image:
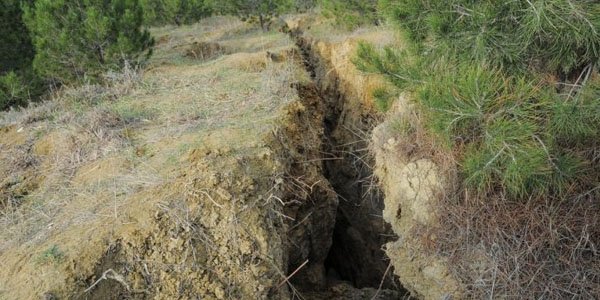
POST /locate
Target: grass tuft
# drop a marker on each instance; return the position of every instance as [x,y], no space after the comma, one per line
[51,255]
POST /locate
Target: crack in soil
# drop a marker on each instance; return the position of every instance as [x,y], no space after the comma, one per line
[356,254]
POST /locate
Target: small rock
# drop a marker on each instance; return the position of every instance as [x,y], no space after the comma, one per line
[48,296]
[220,293]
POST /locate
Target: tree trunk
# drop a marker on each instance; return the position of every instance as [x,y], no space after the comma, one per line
[261,18]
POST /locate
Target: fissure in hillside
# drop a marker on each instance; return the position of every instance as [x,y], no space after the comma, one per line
[356,254]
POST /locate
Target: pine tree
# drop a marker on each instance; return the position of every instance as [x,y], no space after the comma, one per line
[304,5]
[553,35]
[16,50]
[351,13]
[261,10]
[190,11]
[161,12]
[155,12]
[483,77]
[18,83]
[77,39]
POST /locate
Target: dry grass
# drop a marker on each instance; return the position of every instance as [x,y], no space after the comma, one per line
[205,51]
[536,249]
[325,30]
[95,148]
[529,250]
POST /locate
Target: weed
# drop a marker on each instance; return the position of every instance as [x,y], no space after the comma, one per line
[51,255]
[383,98]
[205,51]
[132,112]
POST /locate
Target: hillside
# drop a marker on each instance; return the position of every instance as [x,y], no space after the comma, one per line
[250,164]
[205,175]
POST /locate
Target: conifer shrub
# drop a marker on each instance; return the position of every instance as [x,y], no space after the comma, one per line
[18,88]
[79,40]
[12,90]
[350,13]
[261,12]
[475,70]
[383,98]
[515,134]
[556,35]
[179,12]
[18,83]
[304,5]
[15,45]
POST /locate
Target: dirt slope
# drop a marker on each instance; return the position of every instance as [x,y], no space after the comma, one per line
[170,188]
[237,166]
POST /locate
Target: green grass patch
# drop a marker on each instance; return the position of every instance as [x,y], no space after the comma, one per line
[51,255]
[132,112]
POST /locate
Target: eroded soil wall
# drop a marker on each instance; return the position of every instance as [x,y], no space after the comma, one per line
[356,253]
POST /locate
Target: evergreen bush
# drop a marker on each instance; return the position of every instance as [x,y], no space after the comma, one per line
[304,5]
[16,48]
[77,40]
[479,73]
[12,90]
[351,13]
[556,35]
[179,12]
[18,83]
[262,12]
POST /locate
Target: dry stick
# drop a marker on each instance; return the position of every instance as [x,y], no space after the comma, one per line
[299,223]
[105,276]
[382,281]
[211,198]
[293,273]
[587,69]
[270,260]
[115,199]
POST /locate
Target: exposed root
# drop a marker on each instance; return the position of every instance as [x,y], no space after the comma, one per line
[287,279]
[109,274]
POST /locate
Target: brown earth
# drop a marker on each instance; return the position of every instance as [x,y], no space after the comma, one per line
[230,178]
